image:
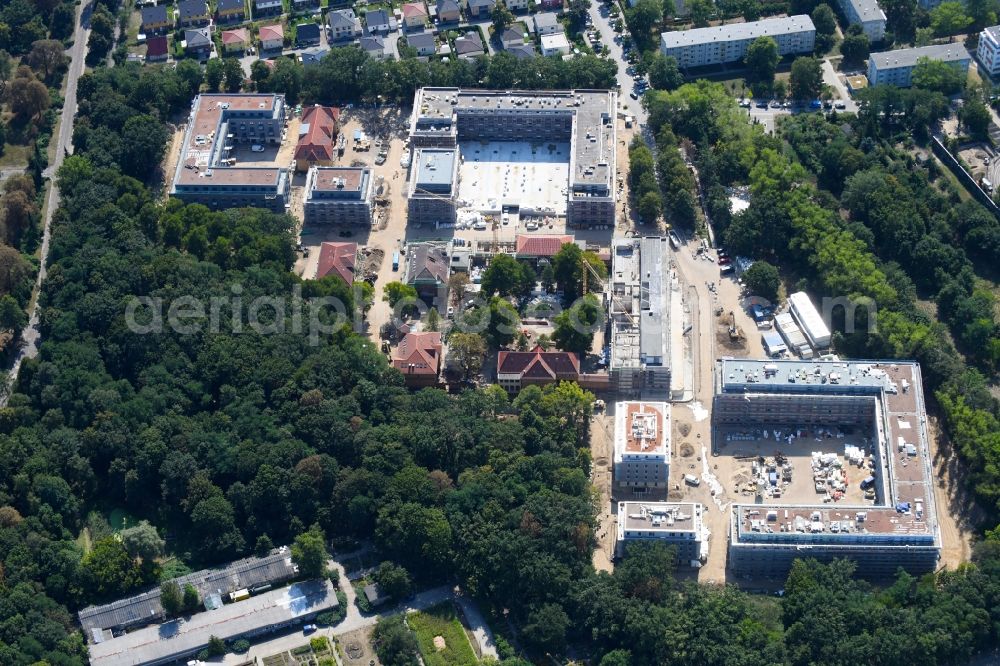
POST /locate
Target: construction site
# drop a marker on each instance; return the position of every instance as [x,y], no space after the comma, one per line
[829,459]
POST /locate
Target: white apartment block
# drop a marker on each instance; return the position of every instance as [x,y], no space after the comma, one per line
[729,43]
[678,524]
[642,447]
[988,52]
[896,67]
[868,14]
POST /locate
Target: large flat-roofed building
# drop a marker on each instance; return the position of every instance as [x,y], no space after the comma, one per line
[433,186]
[895,68]
[145,608]
[206,173]
[584,119]
[338,195]
[868,15]
[875,410]
[729,43]
[642,448]
[809,320]
[678,524]
[645,309]
[988,50]
[182,638]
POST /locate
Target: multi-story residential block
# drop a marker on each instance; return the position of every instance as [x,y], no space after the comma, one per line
[868,15]
[230,11]
[677,524]
[155,20]
[582,118]
[645,340]
[896,67]
[266,8]
[206,173]
[876,407]
[988,51]
[343,25]
[729,43]
[642,448]
[433,186]
[192,13]
[339,195]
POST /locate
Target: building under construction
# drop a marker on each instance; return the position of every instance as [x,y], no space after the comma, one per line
[646,314]
[874,412]
[679,524]
[573,127]
[642,448]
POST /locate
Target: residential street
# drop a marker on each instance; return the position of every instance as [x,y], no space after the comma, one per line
[602,23]
[30,335]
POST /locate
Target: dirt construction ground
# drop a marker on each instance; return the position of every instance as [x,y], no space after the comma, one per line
[355,648]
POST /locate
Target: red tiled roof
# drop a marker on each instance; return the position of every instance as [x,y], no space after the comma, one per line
[271,32]
[414,9]
[316,144]
[418,354]
[156,46]
[337,258]
[538,364]
[238,36]
[540,246]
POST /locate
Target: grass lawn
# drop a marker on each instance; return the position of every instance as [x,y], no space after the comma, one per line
[15,155]
[441,620]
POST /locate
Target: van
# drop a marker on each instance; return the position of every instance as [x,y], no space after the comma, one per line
[692,480]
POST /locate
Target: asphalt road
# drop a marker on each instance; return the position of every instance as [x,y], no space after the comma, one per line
[30,335]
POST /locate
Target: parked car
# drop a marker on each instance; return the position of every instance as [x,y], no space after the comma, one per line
[257,148]
[309,628]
